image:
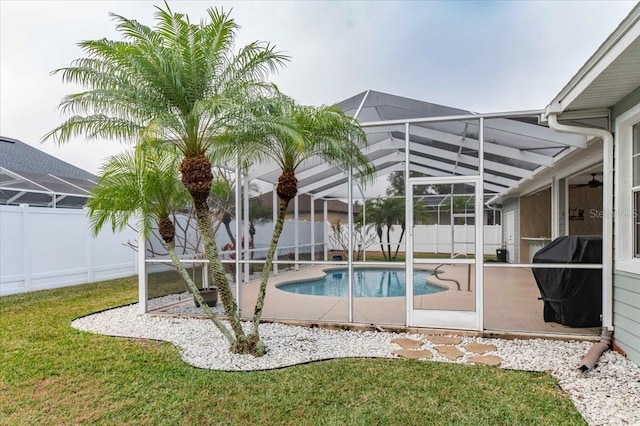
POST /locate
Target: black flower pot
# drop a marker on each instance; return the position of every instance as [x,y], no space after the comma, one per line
[210,296]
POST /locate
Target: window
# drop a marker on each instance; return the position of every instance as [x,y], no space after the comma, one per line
[635,189]
[627,191]
[636,216]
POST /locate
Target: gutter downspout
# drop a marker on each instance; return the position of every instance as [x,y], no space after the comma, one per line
[591,358]
[607,220]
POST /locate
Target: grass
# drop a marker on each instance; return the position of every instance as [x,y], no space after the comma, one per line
[53,374]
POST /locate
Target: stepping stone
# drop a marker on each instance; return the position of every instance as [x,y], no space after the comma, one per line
[491,360]
[450,352]
[413,354]
[407,343]
[444,340]
[480,348]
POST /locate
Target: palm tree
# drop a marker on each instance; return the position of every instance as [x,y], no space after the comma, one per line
[145,182]
[389,212]
[178,82]
[460,204]
[327,134]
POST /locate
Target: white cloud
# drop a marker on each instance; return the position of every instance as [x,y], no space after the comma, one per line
[482,56]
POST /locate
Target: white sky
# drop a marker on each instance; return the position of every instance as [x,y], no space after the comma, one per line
[480,56]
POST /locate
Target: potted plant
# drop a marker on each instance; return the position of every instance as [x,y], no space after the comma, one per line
[210,296]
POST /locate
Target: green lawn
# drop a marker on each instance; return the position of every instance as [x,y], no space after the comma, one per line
[52,374]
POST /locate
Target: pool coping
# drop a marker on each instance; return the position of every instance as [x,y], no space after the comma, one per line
[324,272]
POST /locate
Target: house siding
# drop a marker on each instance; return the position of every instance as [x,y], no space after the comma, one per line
[626,313]
[626,286]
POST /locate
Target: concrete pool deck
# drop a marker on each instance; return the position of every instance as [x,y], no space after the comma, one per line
[510,302]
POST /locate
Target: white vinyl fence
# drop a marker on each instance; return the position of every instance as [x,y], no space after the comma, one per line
[44,248]
[287,241]
[437,239]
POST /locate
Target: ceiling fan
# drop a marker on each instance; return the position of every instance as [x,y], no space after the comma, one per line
[593,183]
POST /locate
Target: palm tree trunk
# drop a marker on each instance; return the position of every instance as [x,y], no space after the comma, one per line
[226,219]
[197,178]
[389,241]
[379,232]
[277,230]
[395,255]
[216,270]
[167,231]
[196,293]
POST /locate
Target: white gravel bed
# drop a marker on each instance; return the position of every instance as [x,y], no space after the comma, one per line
[607,395]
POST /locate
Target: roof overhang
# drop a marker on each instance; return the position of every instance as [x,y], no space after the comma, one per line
[609,75]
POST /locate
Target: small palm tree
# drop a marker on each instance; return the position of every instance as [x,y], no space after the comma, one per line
[326,133]
[144,182]
[387,213]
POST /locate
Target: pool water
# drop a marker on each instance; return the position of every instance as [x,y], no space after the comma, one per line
[370,282]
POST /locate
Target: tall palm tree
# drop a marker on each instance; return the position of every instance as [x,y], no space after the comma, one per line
[178,82]
[328,134]
[145,182]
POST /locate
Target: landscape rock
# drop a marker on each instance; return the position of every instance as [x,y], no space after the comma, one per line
[408,343]
[490,360]
[413,353]
[450,352]
[444,340]
[480,348]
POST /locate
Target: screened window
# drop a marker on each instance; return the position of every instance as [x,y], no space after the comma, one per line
[635,189]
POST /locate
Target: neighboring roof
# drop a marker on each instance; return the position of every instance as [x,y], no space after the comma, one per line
[610,74]
[19,156]
[30,176]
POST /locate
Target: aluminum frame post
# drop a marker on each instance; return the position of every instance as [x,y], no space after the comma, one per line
[143,287]
[245,230]
[312,219]
[296,233]
[325,227]
[350,240]
[479,223]
[408,217]
[275,219]
[237,264]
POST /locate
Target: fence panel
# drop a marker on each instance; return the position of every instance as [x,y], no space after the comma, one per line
[48,248]
[437,238]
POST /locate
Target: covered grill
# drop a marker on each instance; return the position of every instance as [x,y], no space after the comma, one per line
[571,297]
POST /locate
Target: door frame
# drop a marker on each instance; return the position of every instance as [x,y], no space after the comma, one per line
[510,227]
[467,320]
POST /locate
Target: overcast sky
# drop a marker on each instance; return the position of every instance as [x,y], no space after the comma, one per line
[479,56]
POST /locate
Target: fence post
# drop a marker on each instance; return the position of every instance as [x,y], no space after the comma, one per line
[89,248]
[26,246]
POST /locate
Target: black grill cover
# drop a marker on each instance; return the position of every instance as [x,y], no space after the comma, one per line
[571,297]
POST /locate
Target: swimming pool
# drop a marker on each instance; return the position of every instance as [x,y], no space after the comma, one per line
[367,282]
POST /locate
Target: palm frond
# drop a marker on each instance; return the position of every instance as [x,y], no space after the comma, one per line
[144,180]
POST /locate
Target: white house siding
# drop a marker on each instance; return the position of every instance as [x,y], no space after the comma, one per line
[626,313]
